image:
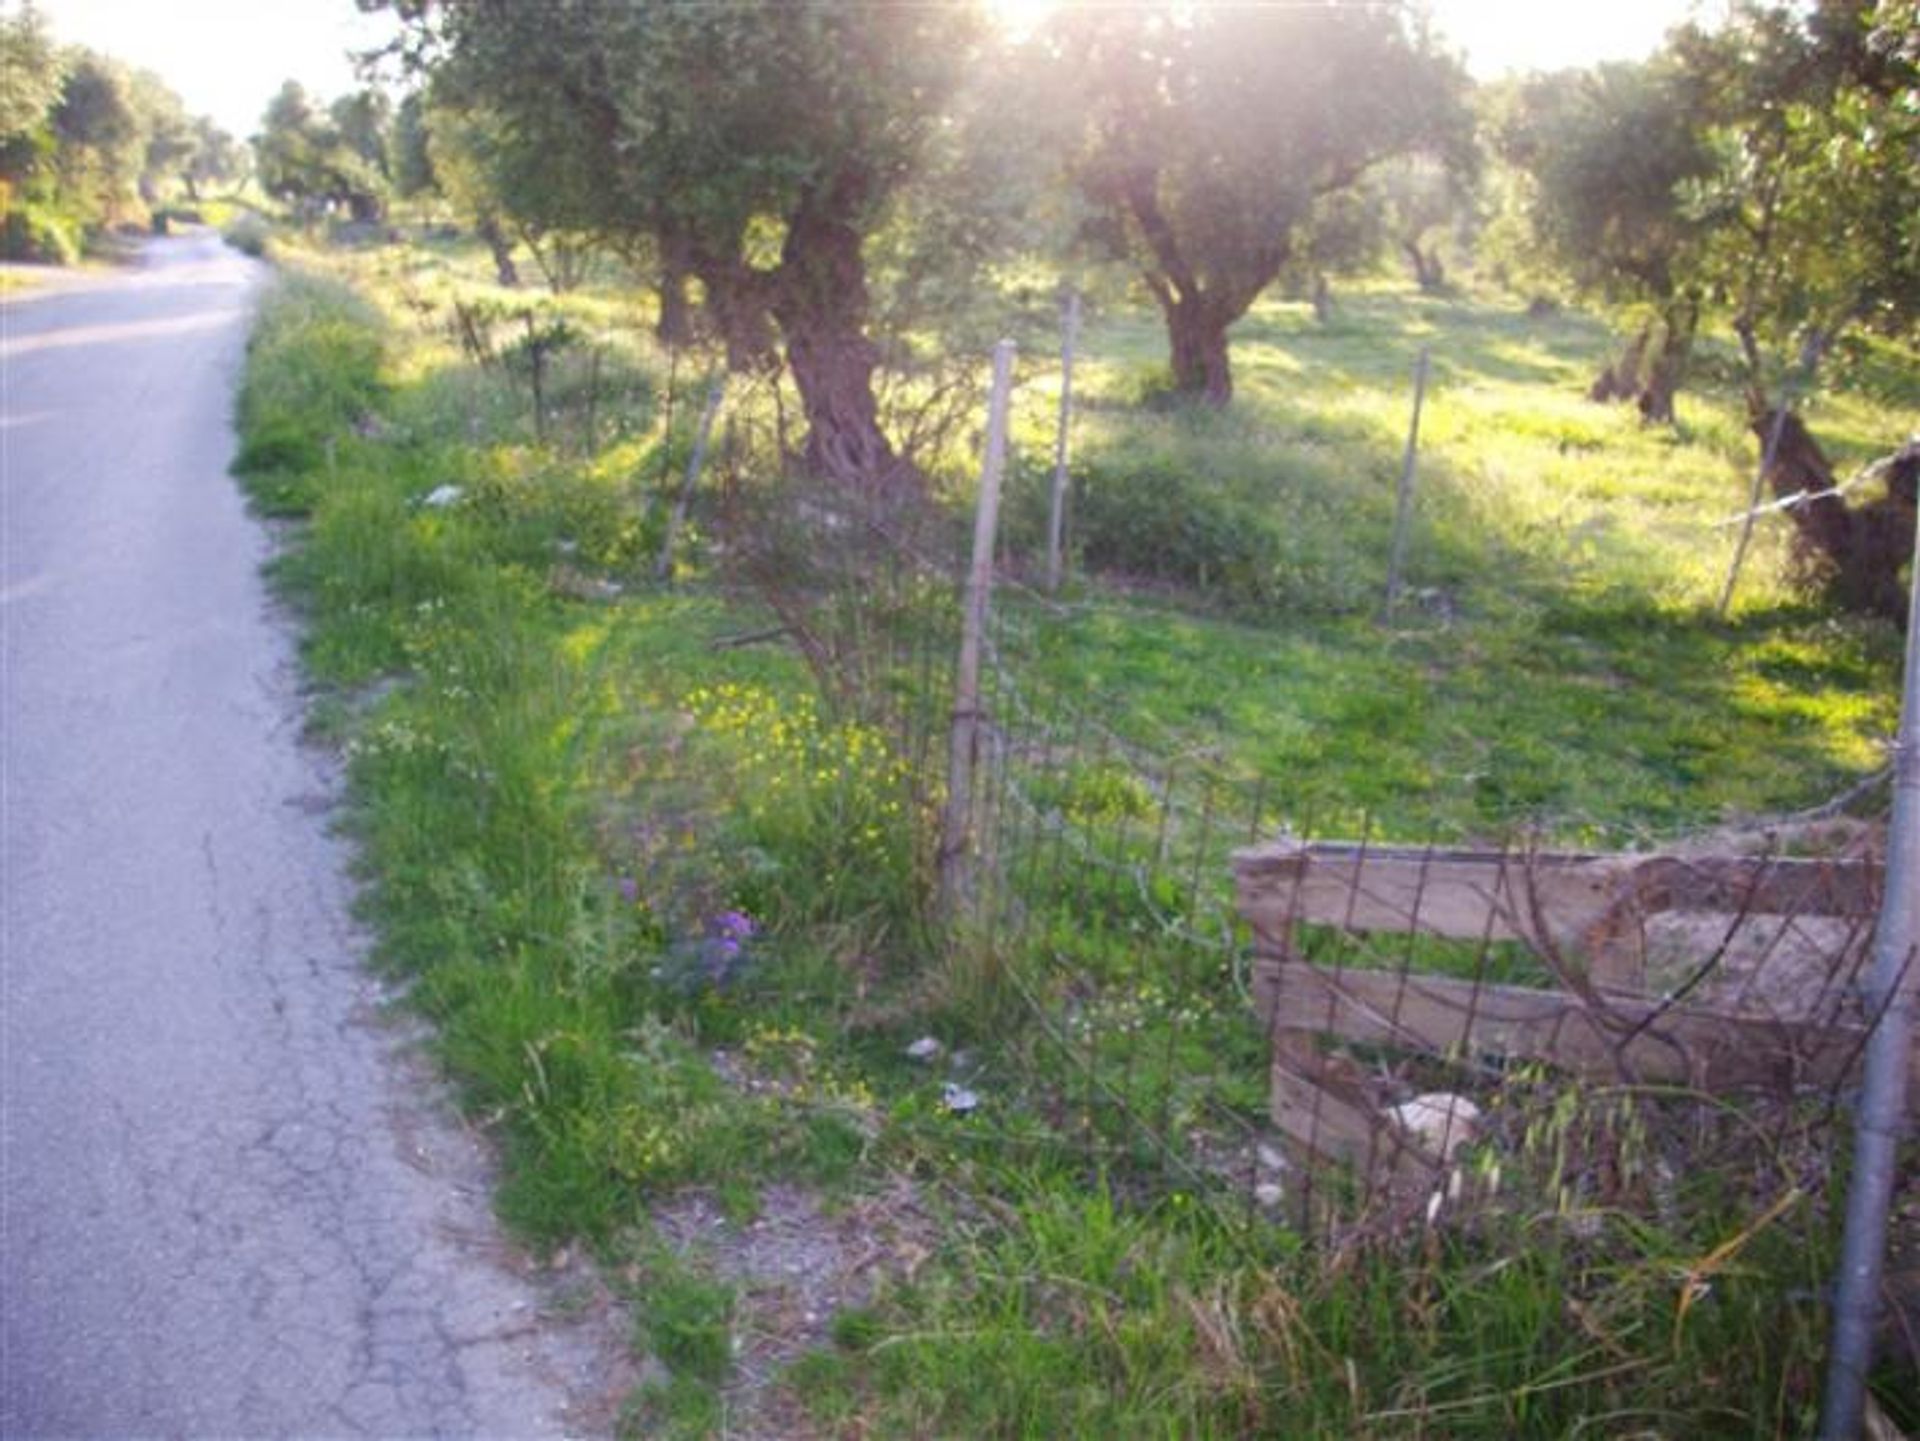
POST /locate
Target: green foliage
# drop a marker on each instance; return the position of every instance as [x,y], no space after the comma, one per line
[314,157]
[1813,195]
[412,158]
[1608,151]
[216,158]
[757,150]
[314,372]
[1254,527]
[249,233]
[686,1320]
[85,143]
[1079,1315]
[816,822]
[559,787]
[469,781]
[33,232]
[32,73]
[1211,136]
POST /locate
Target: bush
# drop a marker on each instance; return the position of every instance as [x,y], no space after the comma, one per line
[249,234]
[1245,520]
[35,234]
[314,371]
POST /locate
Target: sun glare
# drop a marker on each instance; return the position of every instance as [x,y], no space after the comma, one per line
[1017,19]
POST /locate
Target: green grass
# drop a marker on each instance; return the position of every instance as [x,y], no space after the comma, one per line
[1081,1316]
[1600,726]
[564,775]
[1527,493]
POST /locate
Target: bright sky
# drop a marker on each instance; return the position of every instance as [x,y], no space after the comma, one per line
[227,57]
[1501,35]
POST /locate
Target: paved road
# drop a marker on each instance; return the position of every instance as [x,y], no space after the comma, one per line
[228,1210]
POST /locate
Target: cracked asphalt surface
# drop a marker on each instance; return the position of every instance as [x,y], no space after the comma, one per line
[232,1205]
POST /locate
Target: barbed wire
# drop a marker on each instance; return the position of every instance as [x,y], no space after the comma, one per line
[1804,497]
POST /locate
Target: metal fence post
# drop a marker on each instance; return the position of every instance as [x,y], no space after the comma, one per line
[1893,992]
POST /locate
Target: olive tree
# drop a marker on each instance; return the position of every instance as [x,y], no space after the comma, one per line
[1607,153]
[756,149]
[1814,209]
[332,156]
[1213,132]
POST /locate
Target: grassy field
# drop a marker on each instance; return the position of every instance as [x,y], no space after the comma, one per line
[666,905]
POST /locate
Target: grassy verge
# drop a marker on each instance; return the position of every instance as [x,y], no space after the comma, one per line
[662,903]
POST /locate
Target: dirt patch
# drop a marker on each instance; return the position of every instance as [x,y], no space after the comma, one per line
[796,1265]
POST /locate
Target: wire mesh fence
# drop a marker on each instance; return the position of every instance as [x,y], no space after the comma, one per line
[1345,1034]
[1194,985]
[1259,1004]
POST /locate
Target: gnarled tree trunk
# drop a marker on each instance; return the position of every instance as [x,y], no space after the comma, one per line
[819,297]
[498,246]
[1621,379]
[737,304]
[1681,321]
[1198,308]
[1197,339]
[1322,299]
[1855,554]
[1429,271]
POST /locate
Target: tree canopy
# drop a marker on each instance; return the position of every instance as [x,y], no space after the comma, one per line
[1212,131]
[1608,153]
[1813,203]
[333,155]
[1768,166]
[85,142]
[756,149]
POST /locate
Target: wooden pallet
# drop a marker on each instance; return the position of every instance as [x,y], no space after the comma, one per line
[1584,915]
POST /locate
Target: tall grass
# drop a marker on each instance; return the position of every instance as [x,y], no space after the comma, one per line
[664,903]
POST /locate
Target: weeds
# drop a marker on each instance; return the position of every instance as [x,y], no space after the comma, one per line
[661,885]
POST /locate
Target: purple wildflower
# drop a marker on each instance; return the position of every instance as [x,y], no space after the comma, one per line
[735,926]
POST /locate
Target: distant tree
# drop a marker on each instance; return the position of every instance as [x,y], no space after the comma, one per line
[1213,132]
[1813,198]
[1608,152]
[362,124]
[457,154]
[168,133]
[410,163]
[540,194]
[1813,209]
[319,158]
[1423,199]
[84,141]
[288,145]
[217,158]
[99,137]
[32,73]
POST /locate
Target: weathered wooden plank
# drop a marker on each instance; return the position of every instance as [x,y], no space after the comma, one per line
[1629,1038]
[1580,914]
[1761,886]
[1586,913]
[1324,1124]
[1324,1106]
[1461,893]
